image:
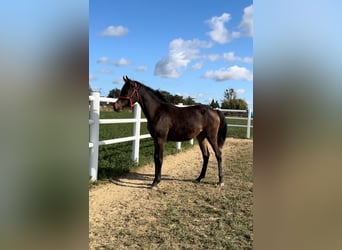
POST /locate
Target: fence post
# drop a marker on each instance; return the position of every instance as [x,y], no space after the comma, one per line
[249,124]
[178,143]
[94,135]
[136,133]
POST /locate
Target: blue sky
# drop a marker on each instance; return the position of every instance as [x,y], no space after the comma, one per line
[186,47]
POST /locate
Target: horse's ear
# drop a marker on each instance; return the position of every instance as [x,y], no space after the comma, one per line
[125,80]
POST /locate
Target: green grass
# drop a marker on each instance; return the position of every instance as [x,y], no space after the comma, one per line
[115,159]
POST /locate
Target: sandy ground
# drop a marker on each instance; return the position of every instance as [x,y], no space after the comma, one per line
[127,201]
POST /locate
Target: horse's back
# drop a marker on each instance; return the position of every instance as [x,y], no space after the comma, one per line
[185,123]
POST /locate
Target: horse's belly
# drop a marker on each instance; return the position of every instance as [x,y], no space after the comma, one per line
[182,135]
[178,138]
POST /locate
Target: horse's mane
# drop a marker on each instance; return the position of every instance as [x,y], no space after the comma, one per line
[156,93]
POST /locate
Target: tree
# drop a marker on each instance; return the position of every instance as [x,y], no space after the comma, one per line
[189,101]
[166,95]
[231,102]
[235,104]
[230,94]
[114,93]
[240,104]
[214,104]
[175,99]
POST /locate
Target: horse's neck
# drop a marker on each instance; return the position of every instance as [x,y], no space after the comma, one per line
[149,103]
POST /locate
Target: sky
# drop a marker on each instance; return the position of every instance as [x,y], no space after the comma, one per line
[186,47]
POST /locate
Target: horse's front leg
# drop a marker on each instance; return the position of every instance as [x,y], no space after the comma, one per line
[158,160]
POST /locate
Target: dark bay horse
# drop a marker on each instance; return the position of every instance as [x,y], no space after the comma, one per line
[167,122]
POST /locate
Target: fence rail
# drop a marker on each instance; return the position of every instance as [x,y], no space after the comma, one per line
[94,130]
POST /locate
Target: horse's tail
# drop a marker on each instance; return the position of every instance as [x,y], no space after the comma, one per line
[222,132]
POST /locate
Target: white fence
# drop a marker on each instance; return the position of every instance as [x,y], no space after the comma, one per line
[94,129]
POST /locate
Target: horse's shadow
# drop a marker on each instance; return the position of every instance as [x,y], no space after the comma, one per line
[133,180]
[144,181]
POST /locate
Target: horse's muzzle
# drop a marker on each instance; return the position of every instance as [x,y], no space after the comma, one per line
[120,105]
[117,107]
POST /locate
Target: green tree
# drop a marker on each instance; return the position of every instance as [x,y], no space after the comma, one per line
[189,101]
[231,102]
[114,93]
[235,104]
[174,99]
[177,99]
[166,95]
[240,104]
[214,104]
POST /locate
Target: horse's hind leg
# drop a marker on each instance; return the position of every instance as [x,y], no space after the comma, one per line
[219,165]
[218,153]
[205,153]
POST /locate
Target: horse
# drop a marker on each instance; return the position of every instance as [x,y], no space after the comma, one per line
[167,122]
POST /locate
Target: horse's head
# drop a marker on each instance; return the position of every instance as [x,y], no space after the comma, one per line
[128,96]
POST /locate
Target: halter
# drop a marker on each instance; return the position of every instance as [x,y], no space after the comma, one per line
[130,98]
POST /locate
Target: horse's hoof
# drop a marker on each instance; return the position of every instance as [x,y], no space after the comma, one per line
[198,179]
[221,184]
[196,182]
[154,186]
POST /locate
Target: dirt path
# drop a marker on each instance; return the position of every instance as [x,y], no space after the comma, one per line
[127,214]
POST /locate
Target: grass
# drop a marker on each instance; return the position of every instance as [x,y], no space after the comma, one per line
[115,159]
[205,222]
[206,219]
[182,214]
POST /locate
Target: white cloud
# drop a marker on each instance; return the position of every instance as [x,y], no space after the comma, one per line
[199,95]
[240,91]
[246,24]
[247,59]
[115,31]
[141,69]
[219,33]
[236,34]
[197,66]
[166,68]
[186,95]
[231,73]
[118,81]
[103,59]
[181,53]
[230,56]
[121,62]
[213,57]
[105,71]
[92,78]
